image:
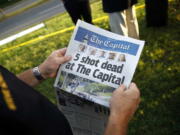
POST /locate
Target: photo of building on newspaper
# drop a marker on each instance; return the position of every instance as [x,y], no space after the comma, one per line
[101,61]
[84,88]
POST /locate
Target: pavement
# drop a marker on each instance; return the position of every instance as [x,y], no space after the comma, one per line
[18,5]
[30,17]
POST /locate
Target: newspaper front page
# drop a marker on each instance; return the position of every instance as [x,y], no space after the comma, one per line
[101,61]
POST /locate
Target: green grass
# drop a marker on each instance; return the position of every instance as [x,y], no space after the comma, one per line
[157,74]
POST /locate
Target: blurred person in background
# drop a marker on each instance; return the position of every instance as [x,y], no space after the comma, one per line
[78,9]
[122,17]
[156,13]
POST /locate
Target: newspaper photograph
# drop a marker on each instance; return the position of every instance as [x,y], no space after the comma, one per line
[101,62]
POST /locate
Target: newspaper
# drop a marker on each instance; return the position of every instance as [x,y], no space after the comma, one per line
[101,61]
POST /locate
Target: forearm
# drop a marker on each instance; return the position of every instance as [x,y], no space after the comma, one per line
[48,69]
[28,78]
[116,126]
[123,104]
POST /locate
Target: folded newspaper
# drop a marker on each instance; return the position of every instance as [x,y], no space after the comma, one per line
[101,61]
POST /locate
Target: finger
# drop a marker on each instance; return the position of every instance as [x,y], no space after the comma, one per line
[121,88]
[133,86]
[137,103]
[61,52]
[134,89]
[64,59]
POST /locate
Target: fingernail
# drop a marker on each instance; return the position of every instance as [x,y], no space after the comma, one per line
[68,57]
[132,85]
[123,86]
[63,49]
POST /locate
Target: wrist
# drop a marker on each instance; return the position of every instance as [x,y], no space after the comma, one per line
[119,118]
[37,74]
[117,125]
[43,71]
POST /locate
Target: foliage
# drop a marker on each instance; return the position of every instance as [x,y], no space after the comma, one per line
[157,74]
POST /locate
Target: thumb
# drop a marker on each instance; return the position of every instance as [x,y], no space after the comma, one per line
[121,88]
[64,59]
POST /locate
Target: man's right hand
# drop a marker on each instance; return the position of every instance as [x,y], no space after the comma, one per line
[123,104]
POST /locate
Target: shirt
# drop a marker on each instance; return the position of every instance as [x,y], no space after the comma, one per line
[24,111]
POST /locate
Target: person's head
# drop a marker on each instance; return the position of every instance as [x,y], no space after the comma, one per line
[121,57]
[82,48]
[102,54]
[111,56]
[93,52]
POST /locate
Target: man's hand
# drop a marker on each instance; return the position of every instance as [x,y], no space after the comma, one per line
[124,101]
[123,104]
[50,66]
